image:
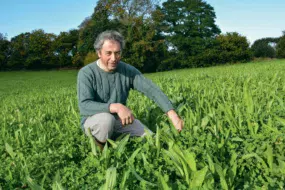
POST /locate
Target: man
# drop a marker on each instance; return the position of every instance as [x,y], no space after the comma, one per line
[103,88]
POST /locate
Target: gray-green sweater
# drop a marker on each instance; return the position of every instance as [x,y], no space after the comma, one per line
[97,89]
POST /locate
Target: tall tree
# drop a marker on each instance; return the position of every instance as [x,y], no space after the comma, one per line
[90,28]
[280,48]
[19,51]
[189,27]
[135,20]
[265,47]
[41,53]
[139,24]
[32,50]
[4,51]
[65,47]
[233,48]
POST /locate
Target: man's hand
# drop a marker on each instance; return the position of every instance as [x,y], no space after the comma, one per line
[124,113]
[175,119]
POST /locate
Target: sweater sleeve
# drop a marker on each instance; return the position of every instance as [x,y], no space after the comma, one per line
[86,96]
[152,91]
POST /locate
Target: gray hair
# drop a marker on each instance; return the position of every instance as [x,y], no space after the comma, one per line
[108,35]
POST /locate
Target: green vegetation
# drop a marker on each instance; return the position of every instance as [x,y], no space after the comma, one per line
[233,138]
[172,35]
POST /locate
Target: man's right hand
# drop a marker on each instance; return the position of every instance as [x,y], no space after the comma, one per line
[124,113]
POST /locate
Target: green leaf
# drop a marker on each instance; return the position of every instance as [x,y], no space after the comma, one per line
[92,142]
[33,185]
[161,182]
[113,143]
[56,185]
[219,170]
[175,160]
[141,179]
[199,177]
[122,145]
[205,122]
[211,163]
[157,141]
[269,155]
[190,159]
[132,158]
[125,177]
[281,120]
[9,149]
[111,178]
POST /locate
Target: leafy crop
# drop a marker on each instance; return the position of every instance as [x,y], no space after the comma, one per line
[233,138]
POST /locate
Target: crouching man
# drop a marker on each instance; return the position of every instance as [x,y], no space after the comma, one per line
[103,88]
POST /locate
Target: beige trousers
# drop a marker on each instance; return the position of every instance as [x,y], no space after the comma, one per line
[104,125]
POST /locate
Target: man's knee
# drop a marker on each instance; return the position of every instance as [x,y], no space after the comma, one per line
[101,126]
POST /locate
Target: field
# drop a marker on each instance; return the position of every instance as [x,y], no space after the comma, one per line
[233,138]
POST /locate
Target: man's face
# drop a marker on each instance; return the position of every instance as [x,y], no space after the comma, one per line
[110,55]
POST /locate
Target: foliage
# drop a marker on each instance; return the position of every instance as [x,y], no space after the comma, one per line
[189,27]
[233,47]
[65,47]
[281,46]
[264,47]
[32,50]
[173,35]
[233,136]
[93,26]
[138,22]
[4,51]
[90,57]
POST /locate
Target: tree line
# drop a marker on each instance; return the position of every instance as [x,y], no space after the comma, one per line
[172,35]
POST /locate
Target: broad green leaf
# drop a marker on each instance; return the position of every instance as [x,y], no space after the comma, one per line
[175,160]
[9,149]
[32,184]
[269,156]
[92,143]
[211,163]
[223,182]
[205,122]
[281,120]
[141,179]
[56,185]
[198,177]
[161,182]
[157,141]
[132,158]
[121,145]
[190,159]
[113,143]
[111,178]
[125,177]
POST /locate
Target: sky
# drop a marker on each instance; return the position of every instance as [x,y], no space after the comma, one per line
[253,19]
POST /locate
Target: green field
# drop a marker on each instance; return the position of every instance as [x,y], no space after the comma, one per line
[233,138]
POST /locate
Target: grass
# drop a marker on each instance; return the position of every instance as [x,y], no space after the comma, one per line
[233,138]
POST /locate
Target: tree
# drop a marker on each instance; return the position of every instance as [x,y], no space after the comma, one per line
[280,48]
[232,47]
[264,47]
[91,27]
[189,27]
[65,47]
[41,54]
[4,51]
[136,20]
[19,51]
[32,50]
[139,20]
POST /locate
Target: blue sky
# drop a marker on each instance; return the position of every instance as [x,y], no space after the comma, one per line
[254,19]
